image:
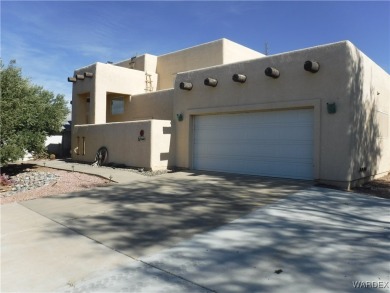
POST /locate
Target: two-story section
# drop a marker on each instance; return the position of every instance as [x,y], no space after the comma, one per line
[320,113]
[113,104]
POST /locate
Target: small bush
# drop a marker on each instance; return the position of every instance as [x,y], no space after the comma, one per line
[5,180]
[40,155]
[52,157]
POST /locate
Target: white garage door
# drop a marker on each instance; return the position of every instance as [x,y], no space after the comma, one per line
[275,143]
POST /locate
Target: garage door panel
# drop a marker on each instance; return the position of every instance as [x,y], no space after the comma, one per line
[255,149]
[270,167]
[277,143]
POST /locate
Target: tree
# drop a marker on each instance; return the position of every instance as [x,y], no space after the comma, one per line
[29,113]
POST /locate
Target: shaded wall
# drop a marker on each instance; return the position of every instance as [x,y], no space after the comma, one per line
[124,143]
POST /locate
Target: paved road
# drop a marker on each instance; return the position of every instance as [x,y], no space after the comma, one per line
[194,232]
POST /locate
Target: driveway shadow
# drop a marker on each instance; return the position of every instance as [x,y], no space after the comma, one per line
[142,218]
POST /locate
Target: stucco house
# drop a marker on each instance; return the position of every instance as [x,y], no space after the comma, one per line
[319,113]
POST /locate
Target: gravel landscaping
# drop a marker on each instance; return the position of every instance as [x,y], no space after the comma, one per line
[379,187]
[30,181]
[35,182]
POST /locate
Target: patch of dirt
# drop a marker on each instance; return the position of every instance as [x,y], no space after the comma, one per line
[379,187]
[67,181]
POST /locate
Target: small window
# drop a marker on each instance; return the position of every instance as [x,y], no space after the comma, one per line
[117,106]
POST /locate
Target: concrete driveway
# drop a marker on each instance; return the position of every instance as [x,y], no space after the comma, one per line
[197,232]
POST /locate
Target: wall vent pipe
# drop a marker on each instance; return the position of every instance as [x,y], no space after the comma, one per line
[80,76]
[185,86]
[239,78]
[211,82]
[72,79]
[272,72]
[311,66]
[88,74]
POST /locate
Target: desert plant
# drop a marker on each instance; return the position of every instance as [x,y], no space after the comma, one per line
[52,157]
[40,155]
[29,114]
[5,180]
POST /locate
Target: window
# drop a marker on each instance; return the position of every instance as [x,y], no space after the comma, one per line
[117,106]
[78,146]
[83,145]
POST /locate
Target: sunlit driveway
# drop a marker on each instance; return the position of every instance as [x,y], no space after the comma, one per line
[198,232]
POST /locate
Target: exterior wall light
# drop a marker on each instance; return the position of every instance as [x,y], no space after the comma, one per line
[239,77]
[180,117]
[72,79]
[186,86]
[141,135]
[272,72]
[210,82]
[311,66]
[331,107]
[88,74]
[80,76]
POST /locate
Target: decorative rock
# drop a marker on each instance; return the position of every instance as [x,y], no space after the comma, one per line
[30,180]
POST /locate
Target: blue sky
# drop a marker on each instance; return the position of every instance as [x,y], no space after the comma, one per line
[50,39]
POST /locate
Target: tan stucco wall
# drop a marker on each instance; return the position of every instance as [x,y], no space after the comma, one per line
[146,62]
[233,52]
[350,145]
[115,79]
[117,117]
[120,80]
[108,79]
[82,90]
[123,144]
[369,88]
[157,105]
[210,54]
[162,148]
[295,88]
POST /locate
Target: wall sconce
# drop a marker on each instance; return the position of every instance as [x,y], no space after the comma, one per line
[185,86]
[72,79]
[311,66]
[141,136]
[80,76]
[272,72]
[180,117]
[239,78]
[88,74]
[331,108]
[210,82]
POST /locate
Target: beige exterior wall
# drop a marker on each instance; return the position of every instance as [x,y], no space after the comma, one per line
[128,79]
[108,80]
[123,144]
[350,145]
[294,89]
[115,79]
[157,105]
[146,62]
[369,89]
[233,52]
[210,54]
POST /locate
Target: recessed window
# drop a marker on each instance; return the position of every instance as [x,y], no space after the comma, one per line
[117,106]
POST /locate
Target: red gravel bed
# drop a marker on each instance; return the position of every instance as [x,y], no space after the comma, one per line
[67,182]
